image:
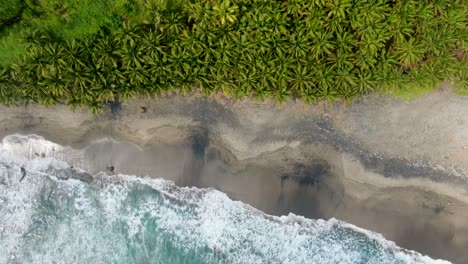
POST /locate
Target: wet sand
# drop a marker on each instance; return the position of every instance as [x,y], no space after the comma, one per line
[365,163]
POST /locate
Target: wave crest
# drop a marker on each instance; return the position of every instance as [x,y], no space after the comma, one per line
[52,214]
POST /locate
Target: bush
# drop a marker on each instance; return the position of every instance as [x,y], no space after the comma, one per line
[10,9]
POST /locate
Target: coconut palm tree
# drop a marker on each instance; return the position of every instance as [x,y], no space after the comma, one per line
[279,25]
[54,54]
[132,54]
[128,32]
[409,53]
[106,52]
[298,45]
[340,60]
[294,8]
[38,37]
[247,81]
[323,78]
[372,41]
[301,78]
[8,95]
[322,44]
[345,83]
[200,13]
[224,11]
[346,42]
[172,24]
[191,45]
[73,54]
[338,8]
[55,84]
[365,82]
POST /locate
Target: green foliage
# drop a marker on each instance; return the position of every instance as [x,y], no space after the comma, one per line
[9,48]
[10,9]
[64,20]
[314,50]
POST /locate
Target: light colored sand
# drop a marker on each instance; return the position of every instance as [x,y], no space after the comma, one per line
[433,127]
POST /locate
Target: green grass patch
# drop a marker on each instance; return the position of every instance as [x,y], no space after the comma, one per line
[65,20]
[10,9]
[10,45]
[410,92]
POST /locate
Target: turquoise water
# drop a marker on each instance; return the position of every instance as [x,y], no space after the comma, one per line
[50,217]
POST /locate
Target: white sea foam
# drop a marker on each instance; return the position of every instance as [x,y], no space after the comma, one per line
[44,219]
[29,146]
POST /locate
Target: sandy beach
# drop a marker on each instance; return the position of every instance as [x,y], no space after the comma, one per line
[394,167]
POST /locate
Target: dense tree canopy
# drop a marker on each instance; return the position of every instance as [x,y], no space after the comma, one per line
[311,49]
[9,11]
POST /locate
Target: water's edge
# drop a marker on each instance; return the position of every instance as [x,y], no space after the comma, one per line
[50,210]
[397,168]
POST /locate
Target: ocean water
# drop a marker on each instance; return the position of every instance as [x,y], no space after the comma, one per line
[53,213]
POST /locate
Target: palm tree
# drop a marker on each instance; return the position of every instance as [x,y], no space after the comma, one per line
[346,42]
[279,24]
[38,37]
[336,25]
[127,92]
[315,18]
[327,94]
[281,94]
[205,34]
[461,78]
[200,13]
[294,8]
[106,52]
[246,47]
[136,77]
[191,45]
[340,60]
[322,44]
[55,84]
[373,40]
[323,77]
[8,95]
[33,63]
[105,95]
[225,51]
[402,32]
[283,65]
[365,82]
[369,12]
[128,32]
[426,23]
[345,83]
[73,54]
[409,53]
[389,78]
[224,11]
[301,78]
[298,45]
[247,81]
[173,24]
[456,18]
[338,8]
[131,54]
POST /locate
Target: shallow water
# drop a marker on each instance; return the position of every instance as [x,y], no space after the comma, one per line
[49,216]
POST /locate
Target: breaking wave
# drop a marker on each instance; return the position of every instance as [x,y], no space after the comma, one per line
[51,212]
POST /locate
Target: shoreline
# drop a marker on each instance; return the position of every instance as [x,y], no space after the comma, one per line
[287,159]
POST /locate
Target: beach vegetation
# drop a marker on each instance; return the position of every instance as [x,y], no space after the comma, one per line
[311,50]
